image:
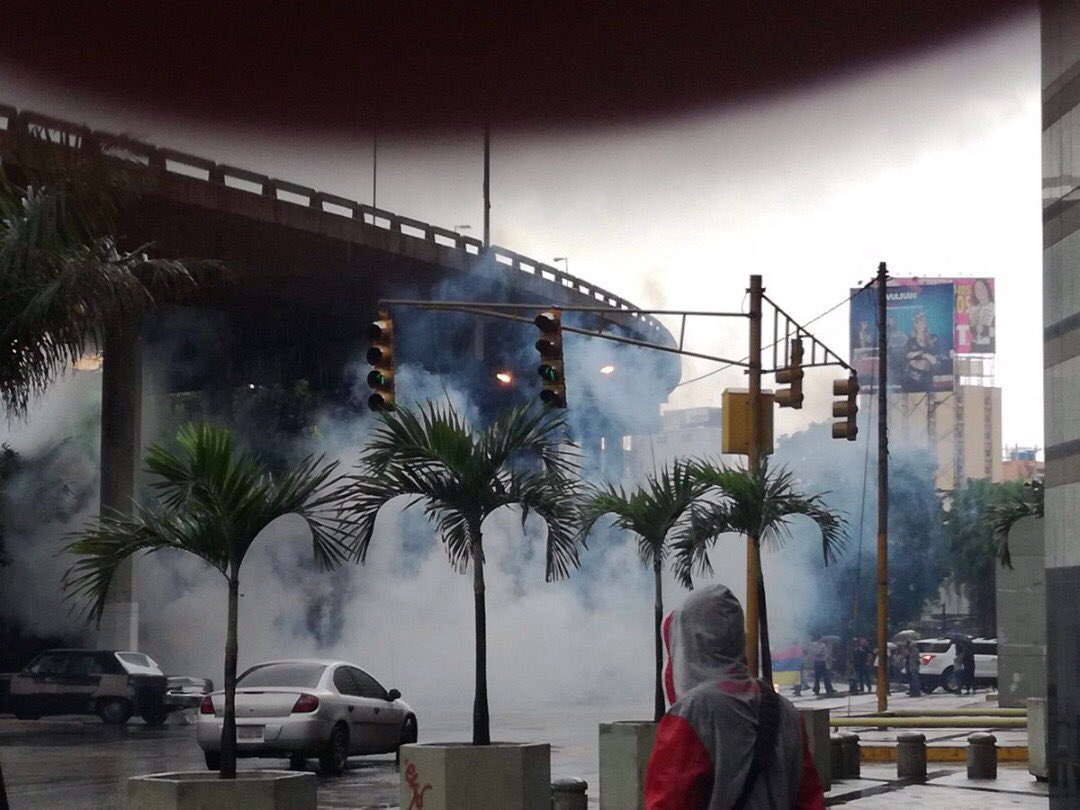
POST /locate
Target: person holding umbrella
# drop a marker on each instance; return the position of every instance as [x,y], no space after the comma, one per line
[968,658]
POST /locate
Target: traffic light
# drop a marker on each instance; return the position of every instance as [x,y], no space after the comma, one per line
[550,347]
[848,409]
[381,358]
[791,375]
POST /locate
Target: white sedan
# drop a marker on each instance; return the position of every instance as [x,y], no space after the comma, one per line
[308,708]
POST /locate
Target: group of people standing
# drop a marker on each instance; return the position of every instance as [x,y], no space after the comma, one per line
[963,666]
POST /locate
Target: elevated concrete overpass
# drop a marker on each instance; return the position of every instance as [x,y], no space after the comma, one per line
[305,270]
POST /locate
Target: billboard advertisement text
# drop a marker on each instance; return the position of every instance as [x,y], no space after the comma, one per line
[973,314]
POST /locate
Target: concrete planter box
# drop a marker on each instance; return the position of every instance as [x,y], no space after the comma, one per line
[624,755]
[204,790]
[1036,732]
[500,776]
[816,722]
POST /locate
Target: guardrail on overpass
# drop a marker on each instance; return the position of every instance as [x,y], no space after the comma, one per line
[170,160]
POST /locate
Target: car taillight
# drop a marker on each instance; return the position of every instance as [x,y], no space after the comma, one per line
[305,703]
[926,659]
[207,706]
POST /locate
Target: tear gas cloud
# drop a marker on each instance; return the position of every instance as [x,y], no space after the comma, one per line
[406,615]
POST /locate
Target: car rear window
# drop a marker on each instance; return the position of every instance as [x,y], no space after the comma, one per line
[300,675]
[934,646]
[135,659]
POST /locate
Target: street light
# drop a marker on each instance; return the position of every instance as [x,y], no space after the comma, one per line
[566,263]
[608,369]
[460,228]
[504,377]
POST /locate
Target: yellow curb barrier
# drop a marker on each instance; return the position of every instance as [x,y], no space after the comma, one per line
[967,721]
[941,753]
[966,712]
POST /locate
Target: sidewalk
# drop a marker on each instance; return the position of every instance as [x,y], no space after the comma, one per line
[945,787]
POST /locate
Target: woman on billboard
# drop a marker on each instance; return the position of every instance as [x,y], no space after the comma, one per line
[981,316]
[921,356]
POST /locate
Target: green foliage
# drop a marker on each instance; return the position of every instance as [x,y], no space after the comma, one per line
[760,505]
[460,475]
[975,518]
[210,502]
[1014,505]
[64,279]
[269,422]
[656,512]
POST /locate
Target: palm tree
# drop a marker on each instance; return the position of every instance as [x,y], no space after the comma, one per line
[64,279]
[211,502]
[460,475]
[1014,504]
[760,508]
[656,512]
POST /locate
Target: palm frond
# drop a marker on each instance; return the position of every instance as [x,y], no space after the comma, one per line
[213,503]
[1028,501]
[761,505]
[652,512]
[64,281]
[459,475]
[114,537]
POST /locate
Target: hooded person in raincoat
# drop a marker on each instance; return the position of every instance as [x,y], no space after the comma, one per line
[705,743]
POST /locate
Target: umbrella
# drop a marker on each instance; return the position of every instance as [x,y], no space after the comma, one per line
[906,635]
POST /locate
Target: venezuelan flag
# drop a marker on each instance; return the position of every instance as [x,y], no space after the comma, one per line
[787,662]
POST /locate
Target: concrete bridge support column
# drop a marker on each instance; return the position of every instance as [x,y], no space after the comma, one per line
[121,418]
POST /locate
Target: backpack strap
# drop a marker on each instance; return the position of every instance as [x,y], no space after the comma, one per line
[768,731]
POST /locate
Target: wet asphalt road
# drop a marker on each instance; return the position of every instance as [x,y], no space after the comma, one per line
[78,762]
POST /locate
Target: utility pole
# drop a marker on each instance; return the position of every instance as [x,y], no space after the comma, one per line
[487,186]
[753,556]
[883,498]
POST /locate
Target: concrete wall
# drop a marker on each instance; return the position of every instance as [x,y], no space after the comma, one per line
[1021,617]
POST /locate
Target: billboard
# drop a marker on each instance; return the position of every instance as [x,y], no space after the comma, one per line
[920,328]
[973,316]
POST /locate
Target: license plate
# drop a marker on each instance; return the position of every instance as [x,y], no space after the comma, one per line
[249,732]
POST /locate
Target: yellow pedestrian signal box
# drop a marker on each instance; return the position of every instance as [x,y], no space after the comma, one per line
[846,409]
[735,422]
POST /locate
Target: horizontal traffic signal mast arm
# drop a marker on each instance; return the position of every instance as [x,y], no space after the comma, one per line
[507,312]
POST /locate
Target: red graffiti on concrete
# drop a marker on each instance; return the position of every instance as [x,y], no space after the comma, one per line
[412,779]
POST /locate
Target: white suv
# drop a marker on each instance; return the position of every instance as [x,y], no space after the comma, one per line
[938,663]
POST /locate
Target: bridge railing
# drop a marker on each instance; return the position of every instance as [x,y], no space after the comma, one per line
[170,160]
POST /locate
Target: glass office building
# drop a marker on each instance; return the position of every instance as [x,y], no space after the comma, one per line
[1061,358]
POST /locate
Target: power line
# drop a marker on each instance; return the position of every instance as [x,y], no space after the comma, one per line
[813,320]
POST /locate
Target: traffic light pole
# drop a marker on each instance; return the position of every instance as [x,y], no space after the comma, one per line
[883,499]
[753,553]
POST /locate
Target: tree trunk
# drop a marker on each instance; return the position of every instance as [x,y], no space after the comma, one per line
[660,708]
[481,718]
[753,620]
[763,613]
[228,728]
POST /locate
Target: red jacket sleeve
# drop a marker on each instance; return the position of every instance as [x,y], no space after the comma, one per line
[680,774]
[811,795]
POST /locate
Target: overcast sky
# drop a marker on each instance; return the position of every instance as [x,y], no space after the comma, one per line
[931,165]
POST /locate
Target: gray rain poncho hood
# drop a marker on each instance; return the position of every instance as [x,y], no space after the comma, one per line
[710,731]
[705,642]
